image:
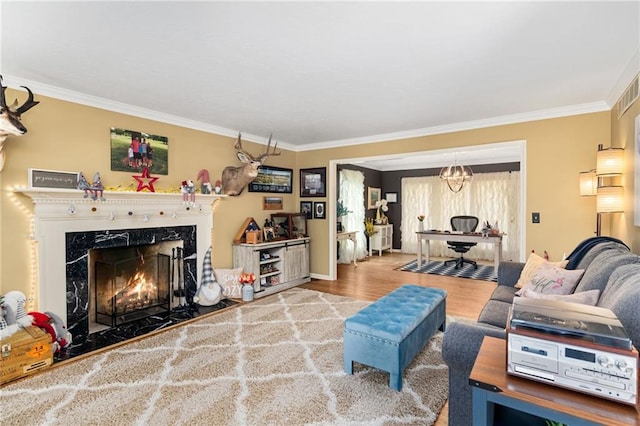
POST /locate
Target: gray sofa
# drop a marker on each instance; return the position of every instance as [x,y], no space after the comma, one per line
[609,266]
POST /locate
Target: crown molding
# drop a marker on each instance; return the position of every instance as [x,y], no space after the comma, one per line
[110,105]
[468,125]
[120,107]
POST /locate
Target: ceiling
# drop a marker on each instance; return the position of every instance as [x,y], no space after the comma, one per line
[322,74]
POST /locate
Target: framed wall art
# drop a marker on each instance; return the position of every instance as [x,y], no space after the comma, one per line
[271,203]
[313,182]
[133,150]
[319,210]
[373,196]
[306,207]
[273,179]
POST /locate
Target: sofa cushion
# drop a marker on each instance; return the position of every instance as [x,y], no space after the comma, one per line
[503,293]
[622,296]
[601,268]
[596,250]
[496,313]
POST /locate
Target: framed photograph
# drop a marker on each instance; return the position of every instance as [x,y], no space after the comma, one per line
[269,233]
[53,179]
[306,207]
[273,179]
[271,203]
[391,197]
[313,182]
[133,150]
[373,196]
[319,210]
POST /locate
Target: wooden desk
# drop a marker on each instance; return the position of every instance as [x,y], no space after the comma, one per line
[341,236]
[492,385]
[475,237]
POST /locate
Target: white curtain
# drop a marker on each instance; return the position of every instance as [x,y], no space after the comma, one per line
[352,197]
[493,197]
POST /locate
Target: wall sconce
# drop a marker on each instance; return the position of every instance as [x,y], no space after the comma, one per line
[588,183]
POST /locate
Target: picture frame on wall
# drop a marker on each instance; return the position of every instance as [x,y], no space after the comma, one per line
[133,150]
[306,207]
[319,210]
[373,196]
[273,179]
[313,182]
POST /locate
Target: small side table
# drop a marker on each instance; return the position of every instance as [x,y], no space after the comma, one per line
[341,236]
[493,386]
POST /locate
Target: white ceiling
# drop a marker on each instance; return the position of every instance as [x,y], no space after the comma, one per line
[320,74]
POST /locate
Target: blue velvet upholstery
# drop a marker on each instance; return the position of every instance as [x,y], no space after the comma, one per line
[390,332]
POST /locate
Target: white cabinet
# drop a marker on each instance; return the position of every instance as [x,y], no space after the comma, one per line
[277,265]
[382,239]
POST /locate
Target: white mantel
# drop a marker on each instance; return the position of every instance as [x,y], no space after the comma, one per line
[59,211]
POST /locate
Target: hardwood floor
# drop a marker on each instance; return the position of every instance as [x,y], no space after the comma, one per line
[376,277]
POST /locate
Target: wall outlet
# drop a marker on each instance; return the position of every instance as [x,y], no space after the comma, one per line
[535,217]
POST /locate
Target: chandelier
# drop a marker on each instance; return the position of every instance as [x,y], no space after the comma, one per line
[456,175]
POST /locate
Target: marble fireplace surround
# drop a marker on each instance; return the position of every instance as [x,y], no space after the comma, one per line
[66,226]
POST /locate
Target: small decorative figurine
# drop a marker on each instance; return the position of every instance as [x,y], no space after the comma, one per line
[97,188]
[188,190]
[205,184]
[84,185]
[218,187]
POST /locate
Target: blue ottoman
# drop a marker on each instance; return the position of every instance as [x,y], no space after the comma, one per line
[390,332]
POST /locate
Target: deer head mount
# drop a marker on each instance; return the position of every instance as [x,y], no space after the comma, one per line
[10,116]
[234,179]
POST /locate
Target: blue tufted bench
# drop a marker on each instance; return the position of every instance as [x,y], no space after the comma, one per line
[390,332]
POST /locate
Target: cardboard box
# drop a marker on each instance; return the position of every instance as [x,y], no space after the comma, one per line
[26,351]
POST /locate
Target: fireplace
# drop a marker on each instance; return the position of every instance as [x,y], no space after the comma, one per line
[69,229]
[129,284]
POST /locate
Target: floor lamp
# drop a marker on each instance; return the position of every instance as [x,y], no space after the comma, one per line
[609,198]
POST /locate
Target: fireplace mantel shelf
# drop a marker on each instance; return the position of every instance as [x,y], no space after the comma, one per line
[54,195]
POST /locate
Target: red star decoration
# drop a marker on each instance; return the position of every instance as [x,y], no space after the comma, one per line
[145,181]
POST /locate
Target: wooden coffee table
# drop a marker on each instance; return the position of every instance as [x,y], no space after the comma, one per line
[493,386]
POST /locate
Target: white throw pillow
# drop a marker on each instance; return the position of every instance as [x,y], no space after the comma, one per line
[229,279]
[531,267]
[550,279]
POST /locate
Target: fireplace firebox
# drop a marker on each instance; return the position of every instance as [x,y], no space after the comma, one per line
[130,285]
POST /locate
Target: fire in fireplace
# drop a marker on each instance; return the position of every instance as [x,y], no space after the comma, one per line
[131,284]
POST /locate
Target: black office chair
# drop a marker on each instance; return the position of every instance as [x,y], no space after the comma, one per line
[464,224]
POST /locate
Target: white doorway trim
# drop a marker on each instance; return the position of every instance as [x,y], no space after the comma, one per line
[518,154]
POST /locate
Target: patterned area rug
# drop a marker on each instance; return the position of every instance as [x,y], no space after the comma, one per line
[274,361]
[484,272]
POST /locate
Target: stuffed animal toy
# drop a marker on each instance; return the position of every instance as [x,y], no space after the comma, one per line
[53,324]
[13,313]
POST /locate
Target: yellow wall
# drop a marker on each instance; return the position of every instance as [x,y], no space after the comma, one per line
[622,135]
[68,136]
[557,150]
